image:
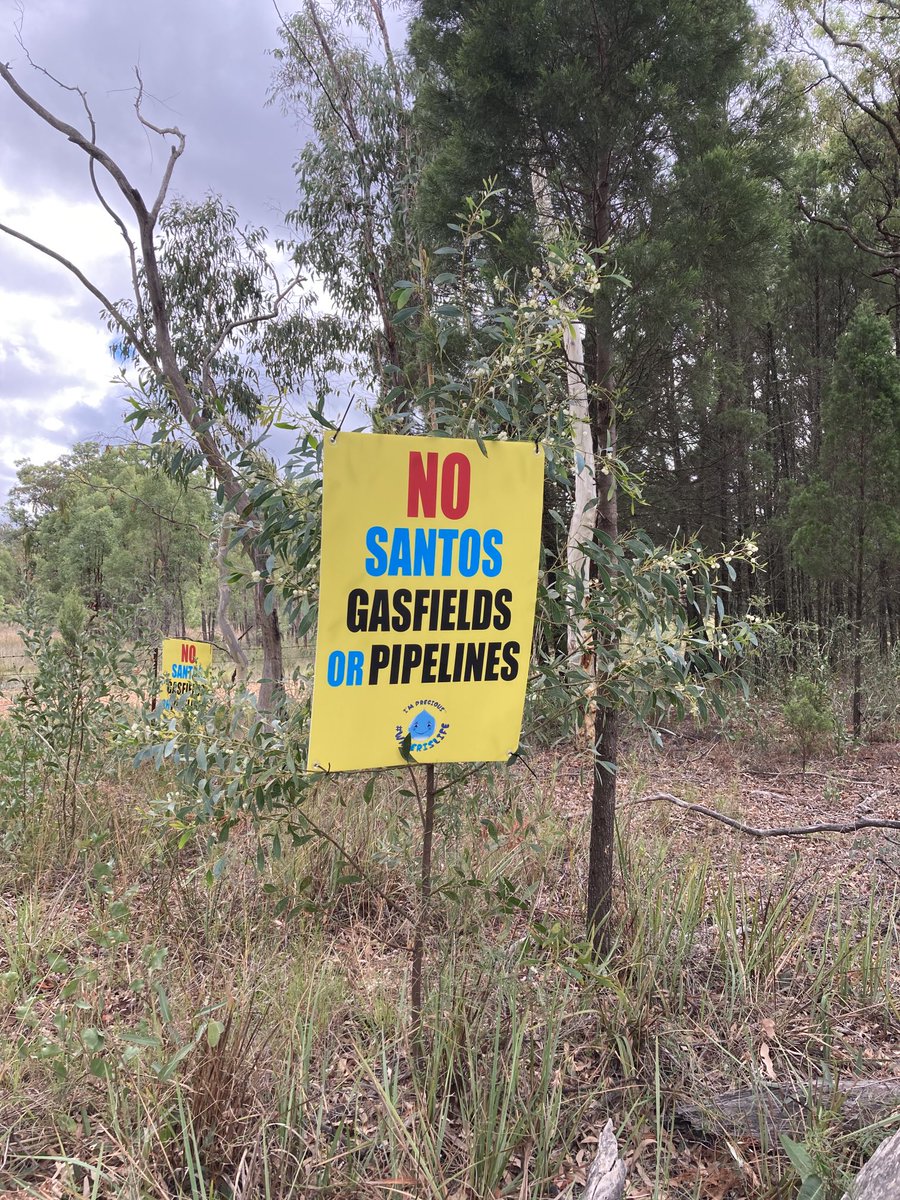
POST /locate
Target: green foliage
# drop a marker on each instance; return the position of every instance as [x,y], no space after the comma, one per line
[564,86]
[811,1185]
[809,716]
[356,175]
[241,336]
[850,515]
[105,524]
[10,579]
[663,640]
[234,767]
[58,737]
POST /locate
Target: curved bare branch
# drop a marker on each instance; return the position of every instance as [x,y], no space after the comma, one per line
[175,152]
[777,830]
[113,309]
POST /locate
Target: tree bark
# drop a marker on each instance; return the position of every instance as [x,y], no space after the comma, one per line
[235,650]
[858,614]
[601,851]
[606,1176]
[606,718]
[773,1109]
[271,684]
[584,479]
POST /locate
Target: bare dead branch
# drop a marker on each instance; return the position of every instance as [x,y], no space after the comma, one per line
[109,164]
[113,309]
[107,207]
[175,152]
[848,231]
[775,831]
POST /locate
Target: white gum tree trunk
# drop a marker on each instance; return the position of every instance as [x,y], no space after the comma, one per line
[581,525]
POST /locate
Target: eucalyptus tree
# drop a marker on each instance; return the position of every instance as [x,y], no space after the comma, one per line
[108,525]
[341,77]
[854,49]
[208,316]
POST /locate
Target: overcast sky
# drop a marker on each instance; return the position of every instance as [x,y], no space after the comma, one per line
[205,63]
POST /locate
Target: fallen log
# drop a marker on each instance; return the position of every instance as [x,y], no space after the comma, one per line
[765,1111]
[880,1177]
[854,826]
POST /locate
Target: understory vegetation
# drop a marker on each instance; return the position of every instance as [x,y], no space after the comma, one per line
[193,1014]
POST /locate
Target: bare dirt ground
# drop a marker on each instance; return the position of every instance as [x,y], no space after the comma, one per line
[761,789]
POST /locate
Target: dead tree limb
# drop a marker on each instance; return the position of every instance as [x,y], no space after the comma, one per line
[606,1176]
[777,830]
[769,1110]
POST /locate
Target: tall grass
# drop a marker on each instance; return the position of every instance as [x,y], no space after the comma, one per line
[170,1036]
[183,1017]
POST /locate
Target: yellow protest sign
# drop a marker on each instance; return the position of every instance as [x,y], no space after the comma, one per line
[183,661]
[426,603]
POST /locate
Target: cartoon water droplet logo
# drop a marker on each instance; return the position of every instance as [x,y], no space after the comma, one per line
[422,726]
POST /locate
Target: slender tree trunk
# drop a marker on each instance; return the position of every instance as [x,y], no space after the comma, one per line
[603,422]
[883,608]
[271,685]
[581,525]
[417,965]
[816,397]
[601,853]
[232,644]
[857,635]
[582,521]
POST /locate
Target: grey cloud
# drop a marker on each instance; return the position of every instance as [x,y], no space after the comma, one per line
[20,382]
[205,68]
[84,423]
[80,423]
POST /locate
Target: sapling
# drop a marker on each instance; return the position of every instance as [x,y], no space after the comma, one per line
[809,716]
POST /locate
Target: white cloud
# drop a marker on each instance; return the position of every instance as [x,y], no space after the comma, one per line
[54,348]
[210,77]
[35,449]
[77,229]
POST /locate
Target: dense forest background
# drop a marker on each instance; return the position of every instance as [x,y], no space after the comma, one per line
[739,169]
